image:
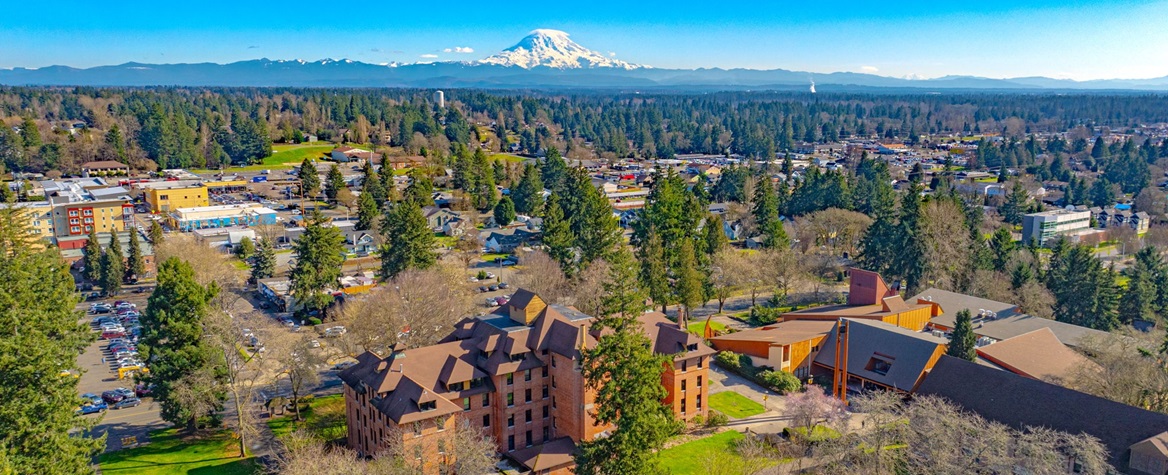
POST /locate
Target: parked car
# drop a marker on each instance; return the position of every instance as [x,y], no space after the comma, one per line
[501,301]
[503,285]
[334,332]
[91,398]
[142,390]
[128,402]
[491,302]
[493,288]
[343,365]
[112,396]
[92,408]
[482,288]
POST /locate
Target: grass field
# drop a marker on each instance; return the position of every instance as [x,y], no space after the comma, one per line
[735,405]
[698,327]
[688,458]
[818,433]
[444,240]
[490,257]
[169,453]
[507,157]
[324,418]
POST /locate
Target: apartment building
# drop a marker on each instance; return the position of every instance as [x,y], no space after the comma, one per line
[515,374]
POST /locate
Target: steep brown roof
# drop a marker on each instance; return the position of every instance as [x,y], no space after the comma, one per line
[1038,354]
[553,454]
[104,164]
[668,339]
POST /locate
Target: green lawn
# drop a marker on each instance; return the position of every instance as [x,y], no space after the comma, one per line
[818,433]
[506,156]
[490,257]
[688,458]
[168,453]
[698,328]
[444,240]
[324,417]
[735,405]
[239,264]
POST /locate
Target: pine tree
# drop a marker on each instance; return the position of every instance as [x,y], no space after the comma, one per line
[1002,245]
[1102,193]
[135,266]
[714,236]
[504,212]
[554,171]
[92,258]
[409,242]
[371,184]
[115,141]
[320,253]
[264,264]
[309,180]
[689,284]
[113,267]
[654,273]
[1085,292]
[626,373]
[367,212]
[420,191]
[156,236]
[334,183]
[528,195]
[557,234]
[963,343]
[39,339]
[174,343]
[1141,299]
[1016,203]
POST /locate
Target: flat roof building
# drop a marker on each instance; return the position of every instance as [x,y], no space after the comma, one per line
[1043,227]
[222,216]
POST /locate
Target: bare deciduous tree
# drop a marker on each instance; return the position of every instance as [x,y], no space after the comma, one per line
[947,244]
[837,230]
[416,308]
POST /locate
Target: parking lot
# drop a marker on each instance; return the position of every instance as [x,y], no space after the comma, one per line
[99,375]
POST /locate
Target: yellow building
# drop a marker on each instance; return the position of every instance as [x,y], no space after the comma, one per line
[76,218]
[39,218]
[167,196]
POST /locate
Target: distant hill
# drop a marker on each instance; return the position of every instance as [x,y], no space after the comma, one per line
[543,59]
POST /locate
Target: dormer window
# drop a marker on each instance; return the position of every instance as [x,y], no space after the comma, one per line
[692,347]
[428,406]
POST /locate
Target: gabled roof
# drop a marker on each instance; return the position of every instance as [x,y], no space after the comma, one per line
[668,339]
[547,456]
[1023,402]
[1038,354]
[909,353]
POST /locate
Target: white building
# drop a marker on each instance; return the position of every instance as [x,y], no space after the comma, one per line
[440,98]
[1042,227]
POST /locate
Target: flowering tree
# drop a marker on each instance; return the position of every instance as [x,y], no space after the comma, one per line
[811,407]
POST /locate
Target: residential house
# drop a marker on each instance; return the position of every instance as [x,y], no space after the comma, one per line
[785,346]
[1140,222]
[515,374]
[506,239]
[1135,438]
[870,298]
[403,162]
[437,218]
[879,356]
[351,154]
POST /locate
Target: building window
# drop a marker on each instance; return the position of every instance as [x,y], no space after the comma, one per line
[440,423]
[553,381]
[553,402]
[486,420]
[486,399]
[73,213]
[428,406]
[545,371]
[510,399]
[878,366]
[547,435]
[510,378]
[510,420]
[684,366]
[511,442]
[699,401]
[699,381]
[545,391]
[683,405]
[528,438]
[683,385]
[546,412]
[527,375]
[417,429]
[466,403]
[700,362]
[527,395]
[527,416]
[553,361]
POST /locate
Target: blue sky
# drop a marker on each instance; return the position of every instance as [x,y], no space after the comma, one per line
[1064,39]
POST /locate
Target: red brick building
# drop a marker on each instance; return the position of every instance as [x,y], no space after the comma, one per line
[515,374]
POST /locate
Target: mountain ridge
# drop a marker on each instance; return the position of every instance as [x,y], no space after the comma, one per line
[543,59]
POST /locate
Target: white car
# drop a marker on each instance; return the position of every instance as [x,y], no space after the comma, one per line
[334,332]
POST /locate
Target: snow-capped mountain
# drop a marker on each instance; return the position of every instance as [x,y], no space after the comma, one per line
[553,49]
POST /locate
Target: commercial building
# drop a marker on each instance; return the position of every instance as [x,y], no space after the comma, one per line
[514,374]
[82,204]
[1043,227]
[222,216]
[38,216]
[167,196]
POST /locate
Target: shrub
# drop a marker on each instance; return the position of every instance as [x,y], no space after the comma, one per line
[314,321]
[764,315]
[482,275]
[716,419]
[728,359]
[698,421]
[780,381]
